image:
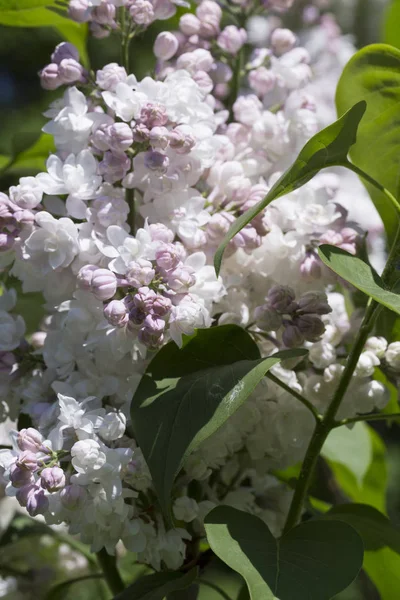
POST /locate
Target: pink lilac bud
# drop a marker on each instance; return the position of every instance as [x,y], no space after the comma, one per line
[262,80]
[160,233]
[141,304]
[142,12]
[20,477]
[114,166]
[99,31]
[349,236]
[168,257]
[101,138]
[248,239]
[37,503]
[181,279]
[120,136]
[85,277]
[24,492]
[189,24]
[104,14]
[314,302]
[310,326]
[152,332]
[292,336]
[72,496]
[64,50]
[181,142]
[104,284]
[141,273]
[52,479]
[221,73]
[159,138]
[70,71]
[30,439]
[116,313]
[231,39]
[267,318]
[197,60]
[204,81]
[78,10]
[155,161]
[218,226]
[24,217]
[161,306]
[166,45]
[310,268]
[282,40]
[110,76]
[50,77]
[141,133]
[153,115]
[209,14]
[27,460]
[282,299]
[6,207]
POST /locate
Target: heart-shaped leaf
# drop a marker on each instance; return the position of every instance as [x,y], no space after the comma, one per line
[314,561]
[157,586]
[373,74]
[327,148]
[351,448]
[187,394]
[360,274]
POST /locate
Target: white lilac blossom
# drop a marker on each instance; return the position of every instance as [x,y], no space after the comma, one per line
[119,233]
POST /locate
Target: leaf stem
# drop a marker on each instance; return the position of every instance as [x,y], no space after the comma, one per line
[130,200]
[361,418]
[375,183]
[236,83]
[216,588]
[296,395]
[108,565]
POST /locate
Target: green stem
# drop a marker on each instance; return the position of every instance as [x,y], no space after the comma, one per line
[108,565]
[216,588]
[236,82]
[375,183]
[55,591]
[296,395]
[325,426]
[130,200]
[126,39]
[361,418]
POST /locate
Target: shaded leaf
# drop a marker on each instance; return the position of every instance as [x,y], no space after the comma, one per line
[327,148]
[313,561]
[373,75]
[360,274]
[158,585]
[184,399]
[351,448]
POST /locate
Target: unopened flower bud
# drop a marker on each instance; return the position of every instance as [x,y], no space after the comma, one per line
[161,233]
[204,81]
[20,477]
[314,302]
[159,138]
[73,496]
[141,133]
[110,76]
[85,277]
[64,50]
[153,115]
[30,439]
[70,71]
[262,80]
[116,313]
[142,12]
[180,141]
[189,24]
[392,356]
[231,39]
[168,257]
[50,77]
[310,326]
[310,268]
[282,40]
[37,503]
[377,345]
[161,306]
[141,273]
[151,334]
[104,284]
[52,479]
[267,319]
[292,336]
[27,460]
[104,14]
[181,279]
[121,136]
[166,45]
[282,299]
[38,339]
[366,364]
[27,194]
[78,10]
[24,492]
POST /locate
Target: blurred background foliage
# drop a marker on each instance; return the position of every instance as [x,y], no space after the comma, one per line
[360,468]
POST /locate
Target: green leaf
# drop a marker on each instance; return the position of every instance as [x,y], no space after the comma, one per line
[187,394]
[313,561]
[157,586]
[373,74]
[351,448]
[391,24]
[382,545]
[360,274]
[327,148]
[372,489]
[35,13]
